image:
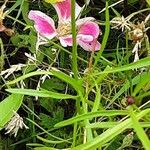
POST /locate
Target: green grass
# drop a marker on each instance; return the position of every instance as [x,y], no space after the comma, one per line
[70,98]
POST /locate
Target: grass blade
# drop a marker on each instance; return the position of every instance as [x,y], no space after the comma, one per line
[139,131]
[41,93]
[91,115]
[110,133]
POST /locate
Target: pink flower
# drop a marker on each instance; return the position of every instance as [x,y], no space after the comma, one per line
[87,30]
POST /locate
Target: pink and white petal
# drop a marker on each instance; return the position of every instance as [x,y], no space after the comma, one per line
[80,22]
[90,46]
[86,38]
[63,10]
[43,24]
[66,41]
[77,10]
[89,28]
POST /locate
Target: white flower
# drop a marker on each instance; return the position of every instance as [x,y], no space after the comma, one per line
[138,34]
[41,80]
[15,124]
[135,50]
[121,23]
[30,57]
[11,70]
[40,41]
[2,13]
[147,19]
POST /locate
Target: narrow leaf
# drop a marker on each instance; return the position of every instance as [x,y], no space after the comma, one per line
[42,93]
[110,133]
[91,115]
[141,63]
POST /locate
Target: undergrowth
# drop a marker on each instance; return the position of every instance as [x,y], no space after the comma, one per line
[69,98]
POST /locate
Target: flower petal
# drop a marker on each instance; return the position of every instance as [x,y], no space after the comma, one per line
[64,10]
[89,28]
[81,21]
[90,46]
[85,38]
[66,40]
[78,10]
[43,24]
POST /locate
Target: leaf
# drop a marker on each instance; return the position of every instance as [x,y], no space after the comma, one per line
[126,86]
[139,64]
[140,131]
[142,83]
[53,84]
[61,75]
[53,1]
[7,106]
[148,2]
[19,11]
[109,134]
[127,141]
[112,124]
[105,37]
[91,115]
[25,10]
[97,100]
[48,141]
[44,148]
[41,93]
[57,73]
[48,122]
[17,3]
[1,55]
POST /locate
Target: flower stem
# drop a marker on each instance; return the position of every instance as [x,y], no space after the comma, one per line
[105,38]
[74,47]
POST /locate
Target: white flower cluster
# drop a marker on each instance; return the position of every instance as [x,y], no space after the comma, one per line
[15,124]
[11,70]
[121,22]
[136,32]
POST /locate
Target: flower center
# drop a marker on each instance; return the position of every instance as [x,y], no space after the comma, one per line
[138,33]
[64,29]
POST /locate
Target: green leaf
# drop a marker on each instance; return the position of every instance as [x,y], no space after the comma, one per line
[139,64]
[25,10]
[97,100]
[53,84]
[91,115]
[109,134]
[41,93]
[126,86]
[142,83]
[113,124]
[148,2]
[44,148]
[53,1]
[48,122]
[1,55]
[7,106]
[140,131]
[17,3]
[53,72]
[49,141]
[61,75]
[106,35]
